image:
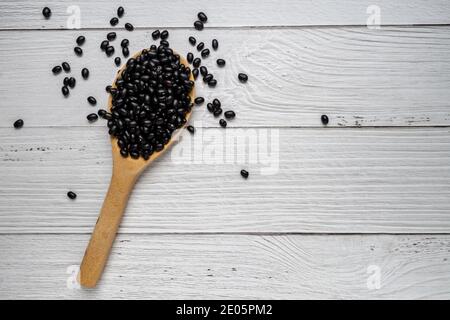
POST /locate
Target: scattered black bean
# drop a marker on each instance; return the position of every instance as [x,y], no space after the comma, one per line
[199,100]
[230,114]
[129,26]
[210,107]
[216,103]
[156,34]
[191,129]
[217,111]
[195,73]
[108,88]
[212,83]
[66,66]
[324,119]
[111,36]
[220,62]
[47,12]
[190,57]
[102,113]
[92,117]
[125,43]
[192,40]
[244,174]
[78,51]
[92,101]
[242,77]
[125,52]
[164,34]
[114,21]
[205,53]
[104,45]
[202,17]
[200,46]
[198,25]
[65,91]
[196,63]
[164,43]
[203,70]
[56,70]
[109,51]
[18,124]
[208,77]
[66,81]
[222,123]
[215,44]
[81,40]
[120,12]
[71,195]
[85,73]
[117,61]
[72,82]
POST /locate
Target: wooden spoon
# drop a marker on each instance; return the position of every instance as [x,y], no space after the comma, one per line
[125,173]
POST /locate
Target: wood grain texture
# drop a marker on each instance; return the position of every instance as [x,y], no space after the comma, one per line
[326,180]
[238,267]
[26,14]
[359,77]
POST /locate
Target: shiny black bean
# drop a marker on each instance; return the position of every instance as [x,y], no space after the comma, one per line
[208,78]
[216,103]
[222,123]
[46,12]
[191,129]
[202,17]
[92,117]
[164,34]
[220,62]
[111,36]
[242,77]
[199,100]
[114,21]
[66,66]
[196,63]
[72,82]
[104,45]
[102,113]
[164,43]
[81,40]
[56,70]
[212,83]
[66,81]
[129,26]
[117,61]
[109,51]
[65,91]
[156,34]
[210,107]
[324,119]
[120,12]
[18,124]
[217,111]
[195,73]
[192,40]
[244,173]
[71,195]
[85,73]
[125,52]
[215,44]
[124,153]
[78,51]
[205,53]
[125,43]
[203,70]
[190,57]
[198,25]
[108,88]
[200,46]
[230,114]
[92,101]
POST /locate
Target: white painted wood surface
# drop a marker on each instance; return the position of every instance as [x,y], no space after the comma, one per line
[237,266]
[343,199]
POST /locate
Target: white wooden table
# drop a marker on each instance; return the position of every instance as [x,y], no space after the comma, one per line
[360,209]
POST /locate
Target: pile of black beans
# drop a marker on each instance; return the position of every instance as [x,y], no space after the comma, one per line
[150,100]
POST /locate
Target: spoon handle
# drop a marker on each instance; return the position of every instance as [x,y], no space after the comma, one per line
[105,230]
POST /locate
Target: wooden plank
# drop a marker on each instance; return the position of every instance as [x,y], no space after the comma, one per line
[233,266]
[26,14]
[309,180]
[359,77]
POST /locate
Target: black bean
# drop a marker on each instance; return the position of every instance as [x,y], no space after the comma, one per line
[104,45]
[72,82]
[66,66]
[102,113]
[244,173]
[78,51]
[65,91]
[190,57]
[120,12]
[205,53]
[92,117]
[18,124]
[129,26]
[198,25]
[164,43]
[66,81]
[192,40]
[242,77]
[200,46]
[164,34]
[111,36]
[199,100]
[125,52]
[210,107]
[230,114]
[114,21]
[203,70]
[195,73]
[46,12]
[208,77]
[216,103]
[215,44]
[56,69]
[196,63]
[124,153]
[109,51]
[217,111]
[92,101]
[222,123]
[125,43]
[220,62]
[117,61]
[212,83]
[85,73]
[324,119]
[81,40]
[191,129]
[156,34]
[202,17]
[108,88]
[71,195]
